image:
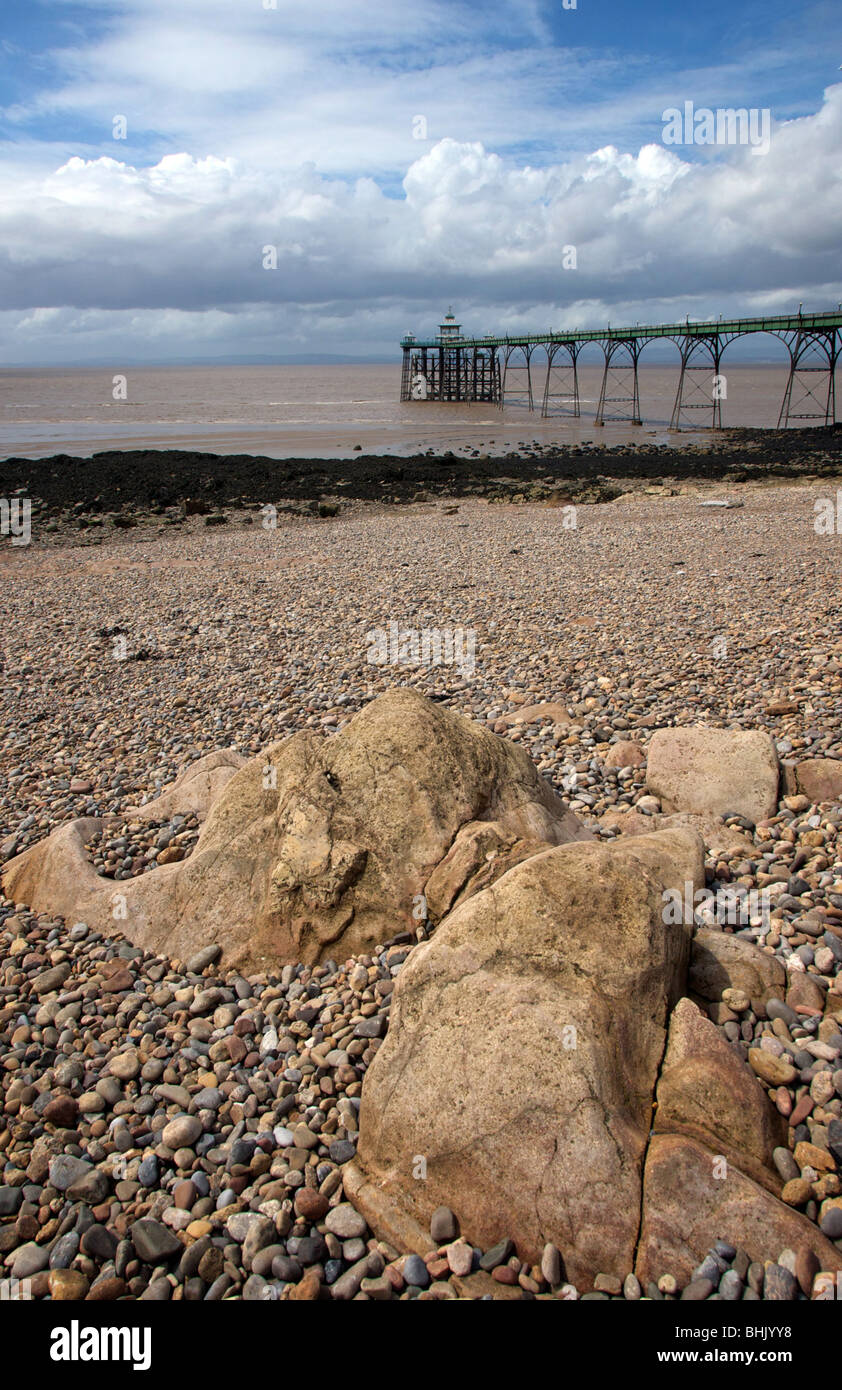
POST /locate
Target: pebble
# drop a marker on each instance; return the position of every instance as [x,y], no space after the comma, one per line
[779,1284]
[443,1226]
[460,1257]
[125,742]
[551,1262]
[65,1170]
[153,1242]
[785,1164]
[202,959]
[28,1260]
[697,1289]
[68,1285]
[731,1286]
[10,1200]
[181,1132]
[415,1271]
[831,1223]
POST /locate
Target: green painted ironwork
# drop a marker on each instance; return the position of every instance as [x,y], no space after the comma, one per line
[783,323]
[450,367]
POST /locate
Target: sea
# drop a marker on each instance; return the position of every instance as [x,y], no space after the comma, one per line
[332,411]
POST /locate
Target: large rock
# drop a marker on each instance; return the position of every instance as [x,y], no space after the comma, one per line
[321,845]
[721,961]
[691,1200]
[820,779]
[713,771]
[522,1055]
[707,1093]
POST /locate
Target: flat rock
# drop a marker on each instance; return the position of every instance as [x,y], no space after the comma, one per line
[153,1242]
[65,1170]
[820,779]
[714,771]
[29,1259]
[345,1222]
[49,980]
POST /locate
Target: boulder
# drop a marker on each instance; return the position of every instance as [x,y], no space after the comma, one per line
[690,1201]
[820,779]
[55,876]
[522,1056]
[720,961]
[714,771]
[625,753]
[707,1093]
[317,847]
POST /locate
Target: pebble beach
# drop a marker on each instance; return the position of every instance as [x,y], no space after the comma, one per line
[172,1130]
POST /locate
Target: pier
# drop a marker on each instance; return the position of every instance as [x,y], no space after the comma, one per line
[540,370]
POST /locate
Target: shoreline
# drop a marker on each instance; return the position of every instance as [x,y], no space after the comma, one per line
[115,491]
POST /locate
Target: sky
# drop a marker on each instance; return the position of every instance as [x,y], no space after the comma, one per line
[223,178]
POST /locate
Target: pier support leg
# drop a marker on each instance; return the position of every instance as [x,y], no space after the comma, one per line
[406,375]
[811,386]
[700,384]
[517,377]
[562,383]
[619,392]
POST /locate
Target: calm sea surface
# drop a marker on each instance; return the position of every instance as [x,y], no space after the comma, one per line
[320,411]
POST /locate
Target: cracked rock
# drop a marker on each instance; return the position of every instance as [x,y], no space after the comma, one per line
[522,1057]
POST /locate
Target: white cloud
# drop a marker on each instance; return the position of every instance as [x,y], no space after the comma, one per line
[272,130]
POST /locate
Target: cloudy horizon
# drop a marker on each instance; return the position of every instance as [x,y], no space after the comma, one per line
[285,184]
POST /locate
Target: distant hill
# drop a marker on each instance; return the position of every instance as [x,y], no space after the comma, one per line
[303,359]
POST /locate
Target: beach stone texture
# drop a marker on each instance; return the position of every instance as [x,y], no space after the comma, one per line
[522,1057]
[319,844]
[194,791]
[714,772]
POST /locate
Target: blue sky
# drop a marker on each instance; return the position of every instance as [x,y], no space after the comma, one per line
[397,156]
